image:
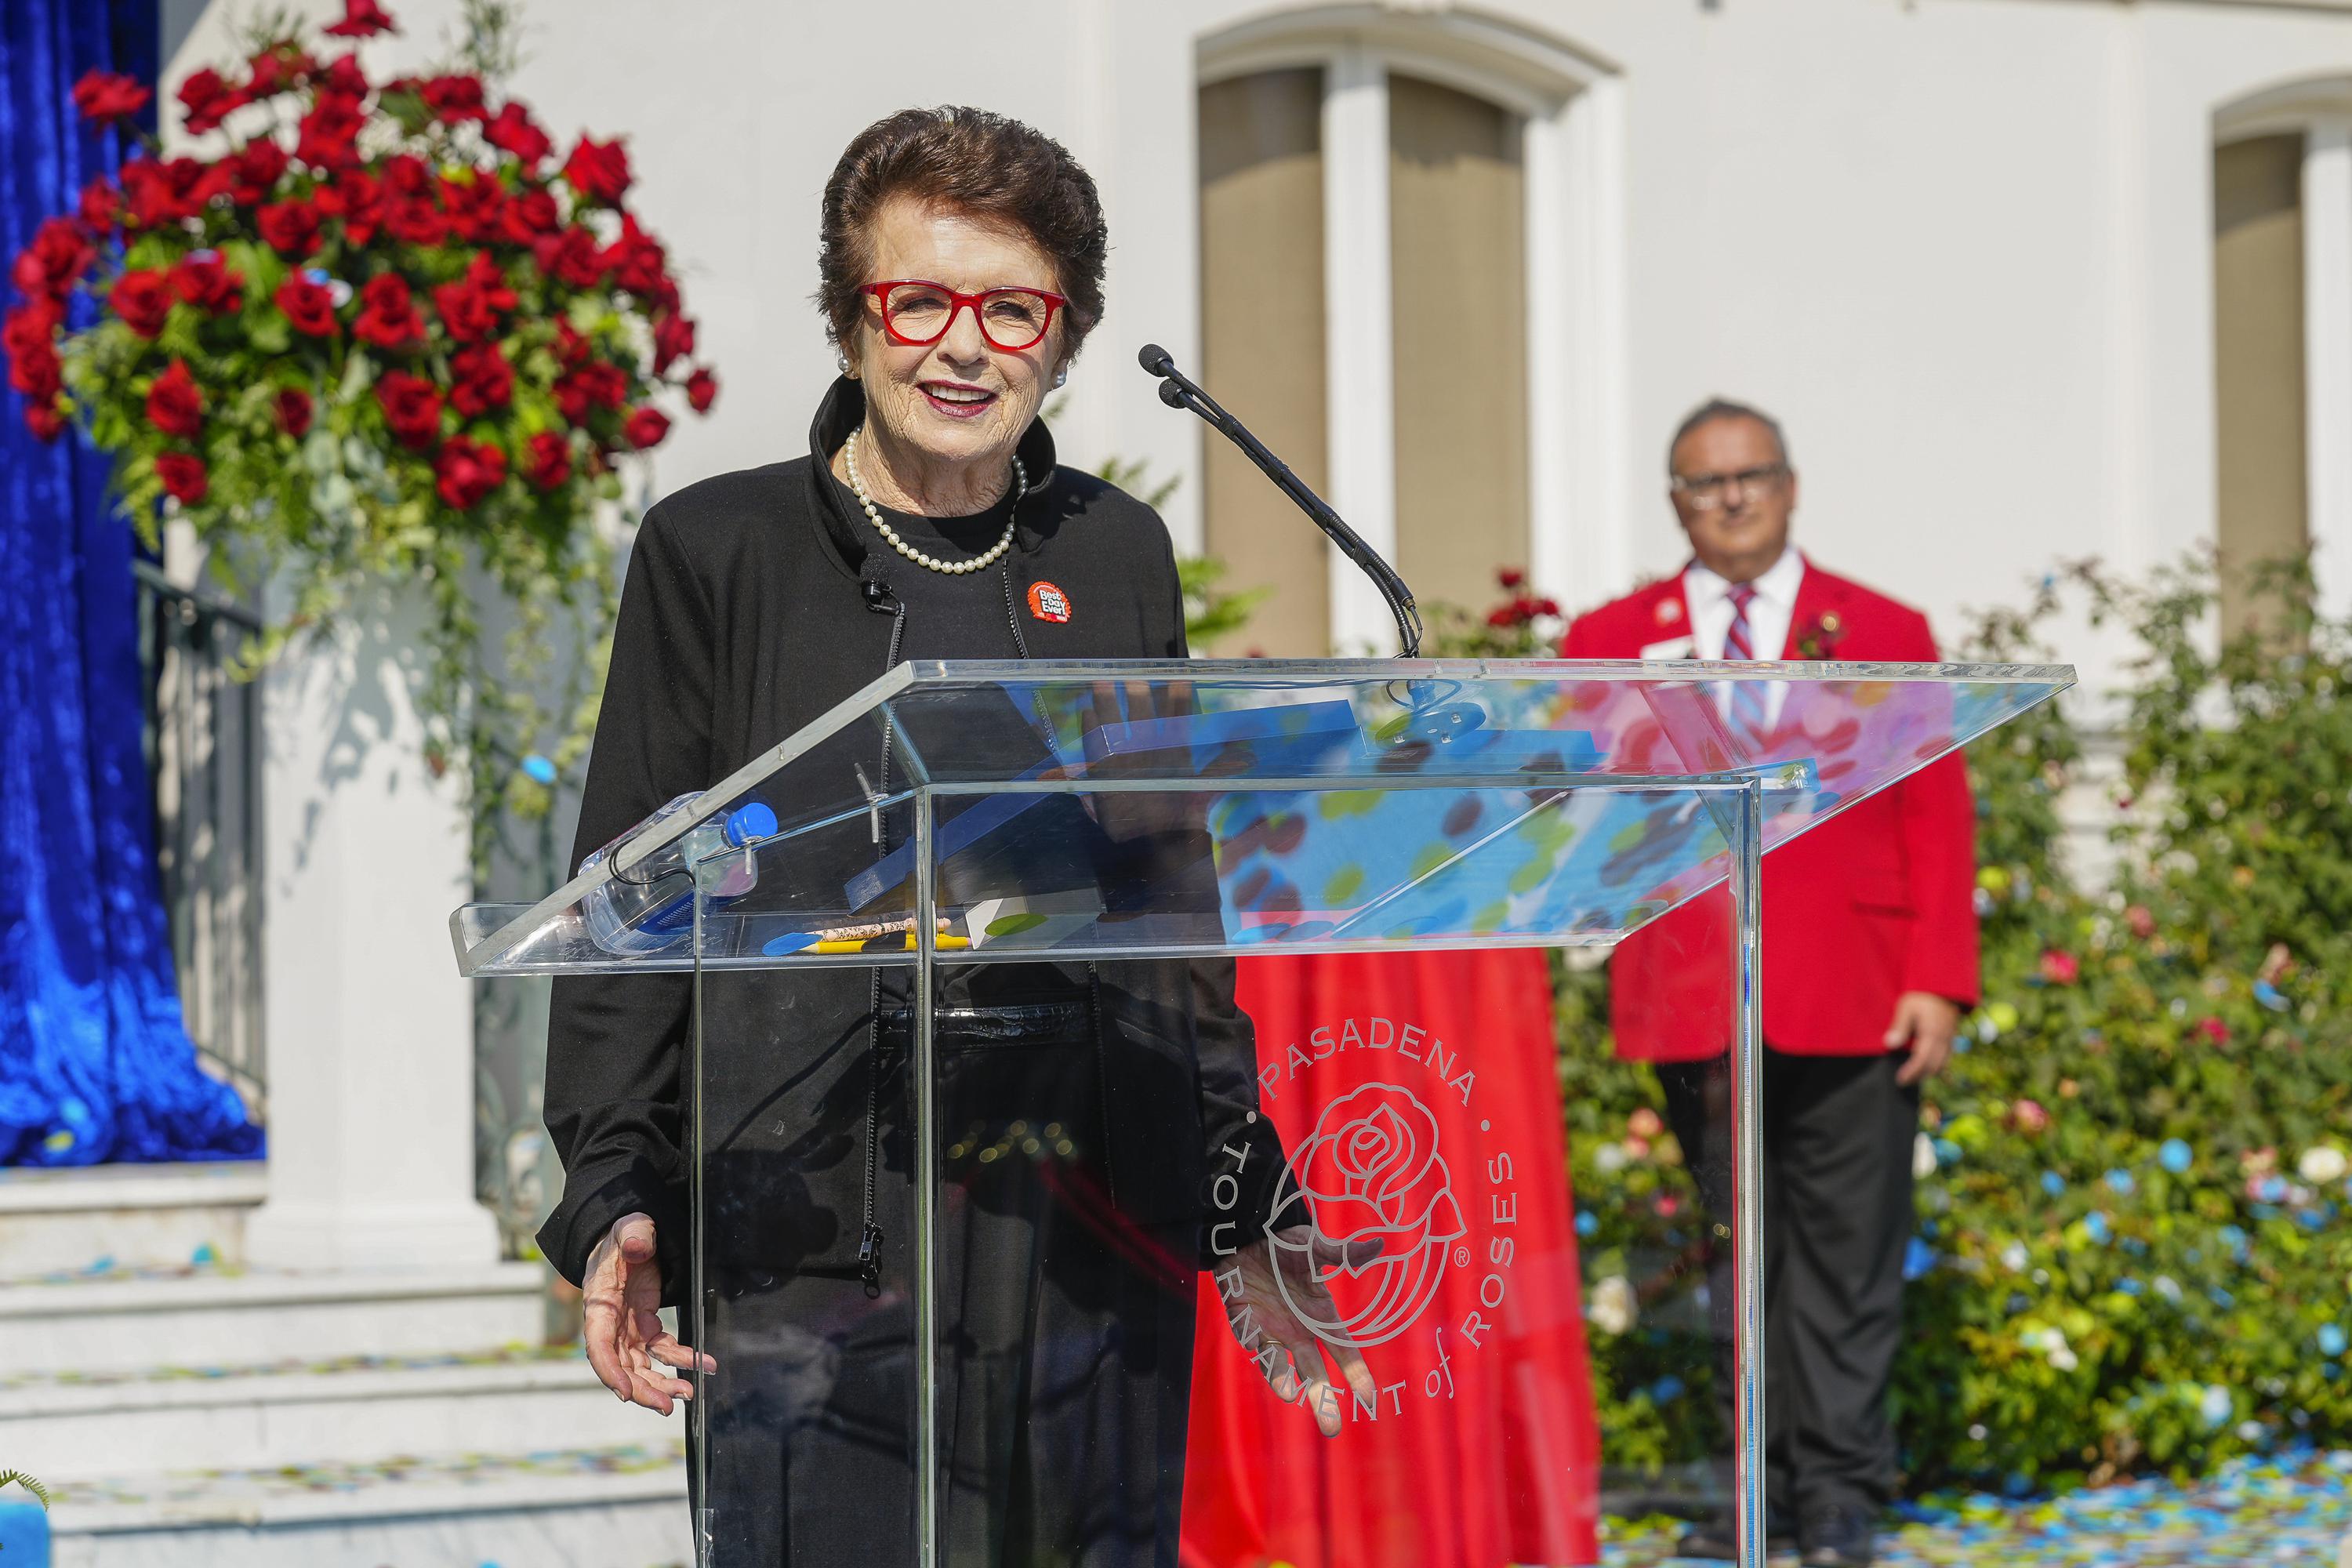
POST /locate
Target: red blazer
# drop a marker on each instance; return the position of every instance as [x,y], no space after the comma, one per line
[1876,901]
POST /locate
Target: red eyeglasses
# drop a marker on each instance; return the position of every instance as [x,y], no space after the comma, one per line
[917,313]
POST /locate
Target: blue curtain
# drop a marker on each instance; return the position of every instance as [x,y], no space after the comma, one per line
[95,1063]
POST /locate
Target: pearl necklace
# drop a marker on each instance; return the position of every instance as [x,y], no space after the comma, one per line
[952,568]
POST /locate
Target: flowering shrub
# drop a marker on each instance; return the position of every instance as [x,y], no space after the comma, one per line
[2131,1251]
[378,328]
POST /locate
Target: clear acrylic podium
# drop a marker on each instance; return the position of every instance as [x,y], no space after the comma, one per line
[1036,848]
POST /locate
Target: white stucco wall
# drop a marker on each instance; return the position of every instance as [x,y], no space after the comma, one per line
[1962,247]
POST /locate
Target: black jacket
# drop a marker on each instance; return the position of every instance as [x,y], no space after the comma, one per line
[743,619]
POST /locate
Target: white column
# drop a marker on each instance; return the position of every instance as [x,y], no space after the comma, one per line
[2328,355]
[1359,351]
[1551,274]
[370,1031]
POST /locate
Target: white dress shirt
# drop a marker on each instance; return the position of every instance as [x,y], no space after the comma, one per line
[1708,598]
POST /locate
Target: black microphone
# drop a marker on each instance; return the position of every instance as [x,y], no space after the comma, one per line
[1178,390]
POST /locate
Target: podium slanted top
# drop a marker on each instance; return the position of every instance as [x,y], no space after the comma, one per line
[1138,808]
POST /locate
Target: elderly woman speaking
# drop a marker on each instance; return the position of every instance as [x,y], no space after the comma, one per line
[961,266]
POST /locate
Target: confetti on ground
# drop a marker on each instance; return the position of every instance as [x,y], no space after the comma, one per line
[2249,1513]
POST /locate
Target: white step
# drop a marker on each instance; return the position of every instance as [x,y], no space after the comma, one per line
[100,1218]
[594,1507]
[219,1317]
[68,1426]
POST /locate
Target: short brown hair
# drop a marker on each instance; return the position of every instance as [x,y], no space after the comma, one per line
[991,167]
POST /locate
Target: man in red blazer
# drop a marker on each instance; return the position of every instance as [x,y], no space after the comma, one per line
[1869,957]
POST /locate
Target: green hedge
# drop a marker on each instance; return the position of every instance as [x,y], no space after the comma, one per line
[2130,1253]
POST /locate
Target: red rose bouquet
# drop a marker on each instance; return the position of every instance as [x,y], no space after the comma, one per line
[380,327]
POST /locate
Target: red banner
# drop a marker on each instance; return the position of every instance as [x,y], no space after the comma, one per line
[1417,1097]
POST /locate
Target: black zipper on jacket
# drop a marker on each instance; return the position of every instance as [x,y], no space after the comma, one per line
[869,1239]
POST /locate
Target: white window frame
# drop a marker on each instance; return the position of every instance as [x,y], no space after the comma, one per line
[1569,107]
[2320,112]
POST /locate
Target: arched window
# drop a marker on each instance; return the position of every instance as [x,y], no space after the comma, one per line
[1410,232]
[2283,336]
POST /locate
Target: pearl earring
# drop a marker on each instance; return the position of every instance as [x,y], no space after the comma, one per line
[842,361]
[1061,376]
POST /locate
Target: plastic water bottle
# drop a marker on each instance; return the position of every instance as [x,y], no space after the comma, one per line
[649,907]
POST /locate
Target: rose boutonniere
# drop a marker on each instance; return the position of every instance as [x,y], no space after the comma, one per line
[1819,638]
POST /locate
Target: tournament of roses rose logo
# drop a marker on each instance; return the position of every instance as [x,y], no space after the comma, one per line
[1391,1193]
[1371,1171]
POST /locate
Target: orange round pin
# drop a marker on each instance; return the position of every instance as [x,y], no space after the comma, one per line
[1048,603]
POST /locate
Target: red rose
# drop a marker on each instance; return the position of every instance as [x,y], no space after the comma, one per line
[100,205]
[362,19]
[330,133]
[102,95]
[599,171]
[44,421]
[205,282]
[595,384]
[415,220]
[551,459]
[289,228]
[388,316]
[512,130]
[291,411]
[636,258]
[29,338]
[469,470]
[344,76]
[526,216]
[307,305]
[701,391]
[454,98]
[472,207]
[411,407]
[169,191]
[2059,968]
[2214,1030]
[645,428]
[183,477]
[572,350]
[572,256]
[279,69]
[483,380]
[175,407]
[673,341]
[405,174]
[60,253]
[1510,577]
[143,299]
[253,170]
[208,100]
[356,197]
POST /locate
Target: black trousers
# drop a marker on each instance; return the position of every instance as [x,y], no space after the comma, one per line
[1064,1367]
[1838,1133]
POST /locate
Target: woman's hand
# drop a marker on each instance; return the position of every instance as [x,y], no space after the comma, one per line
[1261,1316]
[621,1320]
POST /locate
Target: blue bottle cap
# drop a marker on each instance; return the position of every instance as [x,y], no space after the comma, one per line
[749,822]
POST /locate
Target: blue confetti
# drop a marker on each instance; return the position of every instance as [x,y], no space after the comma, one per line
[2095,1226]
[2176,1156]
[2331,1340]
[2120,1180]
[2053,1182]
[1586,1222]
[1918,1259]
[538,769]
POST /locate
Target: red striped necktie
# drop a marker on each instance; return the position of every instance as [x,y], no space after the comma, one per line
[1746,705]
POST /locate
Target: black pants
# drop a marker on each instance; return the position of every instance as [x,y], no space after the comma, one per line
[1838,1132]
[1064,1371]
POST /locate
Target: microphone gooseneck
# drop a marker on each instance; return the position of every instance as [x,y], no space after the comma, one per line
[1178,390]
